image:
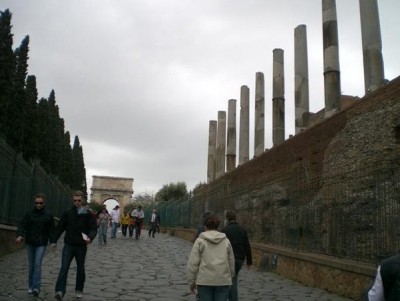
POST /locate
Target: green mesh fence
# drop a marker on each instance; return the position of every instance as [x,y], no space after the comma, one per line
[20,182]
[172,213]
[353,214]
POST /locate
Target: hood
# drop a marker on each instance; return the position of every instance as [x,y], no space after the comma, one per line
[213,236]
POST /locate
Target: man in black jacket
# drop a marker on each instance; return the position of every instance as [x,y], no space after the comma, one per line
[154,221]
[80,229]
[37,230]
[387,281]
[237,235]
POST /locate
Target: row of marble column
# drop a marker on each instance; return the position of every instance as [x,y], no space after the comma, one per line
[222,133]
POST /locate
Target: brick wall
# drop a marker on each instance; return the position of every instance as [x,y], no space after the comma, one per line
[332,190]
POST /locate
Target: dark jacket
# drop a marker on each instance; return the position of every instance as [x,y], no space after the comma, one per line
[37,228]
[390,274]
[200,229]
[157,220]
[237,235]
[75,224]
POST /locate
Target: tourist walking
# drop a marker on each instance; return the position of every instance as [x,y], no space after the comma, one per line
[114,221]
[131,224]
[102,222]
[211,263]
[124,223]
[37,230]
[80,229]
[237,235]
[154,221]
[138,216]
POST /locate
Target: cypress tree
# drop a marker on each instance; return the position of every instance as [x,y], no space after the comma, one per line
[7,67]
[44,133]
[31,132]
[16,111]
[31,127]
[55,135]
[67,164]
[79,176]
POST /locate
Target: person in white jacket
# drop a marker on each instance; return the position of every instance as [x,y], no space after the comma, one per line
[211,263]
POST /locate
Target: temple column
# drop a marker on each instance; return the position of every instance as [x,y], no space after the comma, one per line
[259,127]
[244,125]
[212,150]
[278,98]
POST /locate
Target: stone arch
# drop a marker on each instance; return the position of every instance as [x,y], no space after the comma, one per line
[105,188]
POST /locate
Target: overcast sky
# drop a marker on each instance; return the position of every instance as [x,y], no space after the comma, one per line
[138,81]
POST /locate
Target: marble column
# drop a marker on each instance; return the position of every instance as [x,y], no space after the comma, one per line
[259,126]
[301,89]
[244,125]
[372,45]
[212,150]
[231,136]
[331,58]
[278,98]
[221,142]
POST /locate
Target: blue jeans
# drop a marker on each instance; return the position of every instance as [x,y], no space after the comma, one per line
[35,257]
[213,293]
[233,291]
[102,233]
[113,230]
[70,252]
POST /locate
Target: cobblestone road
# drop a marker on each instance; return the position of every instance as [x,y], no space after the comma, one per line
[148,269]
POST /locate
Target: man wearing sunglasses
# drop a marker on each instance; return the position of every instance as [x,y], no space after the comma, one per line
[80,229]
[37,230]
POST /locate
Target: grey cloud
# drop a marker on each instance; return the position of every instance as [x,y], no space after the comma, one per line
[138,81]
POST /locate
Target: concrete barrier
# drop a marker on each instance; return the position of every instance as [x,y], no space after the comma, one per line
[7,239]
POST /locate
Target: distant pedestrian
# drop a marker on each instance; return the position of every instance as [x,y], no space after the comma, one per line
[387,281]
[158,221]
[80,229]
[124,223]
[237,235]
[154,220]
[138,216]
[201,228]
[131,224]
[211,263]
[115,213]
[37,230]
[103,222]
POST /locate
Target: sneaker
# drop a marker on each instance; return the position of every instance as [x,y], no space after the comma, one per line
[30,291]
[59,296]
[35,292]
[79,295]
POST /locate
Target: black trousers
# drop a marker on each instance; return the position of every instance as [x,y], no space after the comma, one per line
[152,228]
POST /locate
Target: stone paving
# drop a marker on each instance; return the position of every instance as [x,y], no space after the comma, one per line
[147,269]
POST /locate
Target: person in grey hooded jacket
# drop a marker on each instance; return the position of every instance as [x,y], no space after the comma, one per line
[211,263]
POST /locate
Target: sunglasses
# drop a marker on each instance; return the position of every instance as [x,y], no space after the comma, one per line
[39,203]
[77,200]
